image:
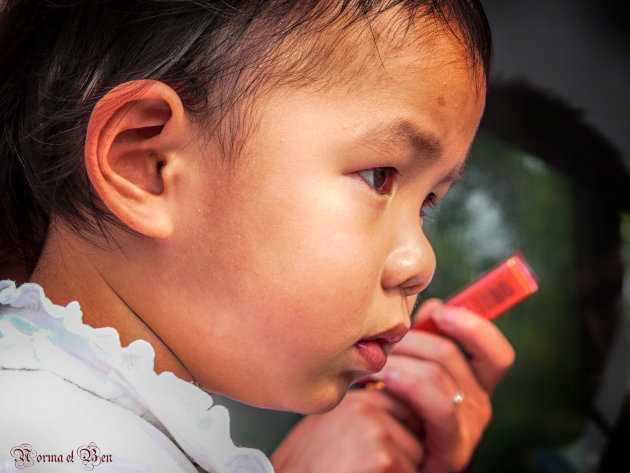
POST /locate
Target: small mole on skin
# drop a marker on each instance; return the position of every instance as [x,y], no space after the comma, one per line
[441,102]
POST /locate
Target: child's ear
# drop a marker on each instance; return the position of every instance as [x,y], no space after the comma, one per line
[134,133]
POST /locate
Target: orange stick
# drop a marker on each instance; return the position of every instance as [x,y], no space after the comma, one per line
[493,293]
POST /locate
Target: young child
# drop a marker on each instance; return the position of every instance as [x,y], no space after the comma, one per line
[214,196]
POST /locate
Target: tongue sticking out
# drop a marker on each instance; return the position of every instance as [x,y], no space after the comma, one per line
[372,353]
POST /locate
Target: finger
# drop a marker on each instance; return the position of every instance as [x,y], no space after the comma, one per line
[399,438]
[490,353]
[423,385]
[445,353]
[429,391]
[380,418]
[386,461]
[421,380]
[380,399]
[403,464]
[426,309]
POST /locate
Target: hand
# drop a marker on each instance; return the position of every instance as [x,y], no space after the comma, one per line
[414,425]
[368,432]
[426,371]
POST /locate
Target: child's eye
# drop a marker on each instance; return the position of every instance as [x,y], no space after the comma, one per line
[380,179]
[430,201]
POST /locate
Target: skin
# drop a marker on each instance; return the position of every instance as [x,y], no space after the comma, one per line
[267,272]
[413,425]
[239,253]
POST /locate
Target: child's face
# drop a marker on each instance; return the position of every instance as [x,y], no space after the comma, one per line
[310,242]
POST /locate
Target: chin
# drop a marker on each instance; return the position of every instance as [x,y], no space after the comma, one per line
[321,399]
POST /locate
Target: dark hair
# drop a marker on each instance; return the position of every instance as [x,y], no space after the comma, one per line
[59,57]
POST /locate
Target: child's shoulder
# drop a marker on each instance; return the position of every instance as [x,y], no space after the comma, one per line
[60,394]
[63,423]
[68,383]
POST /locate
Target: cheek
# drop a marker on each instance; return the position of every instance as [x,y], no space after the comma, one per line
[293,274]
[314,271]
[300,231]
[311,295]
[304,262]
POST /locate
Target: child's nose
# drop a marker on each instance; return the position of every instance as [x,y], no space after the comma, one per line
[410,265]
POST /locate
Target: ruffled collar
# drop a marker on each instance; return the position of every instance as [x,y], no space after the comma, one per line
[94,359]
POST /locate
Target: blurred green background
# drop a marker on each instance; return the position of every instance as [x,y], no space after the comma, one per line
[511,201]
[507,201]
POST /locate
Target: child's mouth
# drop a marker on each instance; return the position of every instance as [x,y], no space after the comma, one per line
[374,349]
[373,354]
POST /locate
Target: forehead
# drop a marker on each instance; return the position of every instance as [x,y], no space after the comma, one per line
[420,96]
[394,62]
[385,53]
[373,48]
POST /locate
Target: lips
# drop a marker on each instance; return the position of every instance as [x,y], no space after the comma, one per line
[373,349]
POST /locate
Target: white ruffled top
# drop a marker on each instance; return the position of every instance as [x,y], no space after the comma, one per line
[65,385]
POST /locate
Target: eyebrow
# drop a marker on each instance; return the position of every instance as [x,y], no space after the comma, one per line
[426,146]
[402,132]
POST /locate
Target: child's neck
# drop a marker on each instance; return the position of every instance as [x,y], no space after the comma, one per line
[69,270]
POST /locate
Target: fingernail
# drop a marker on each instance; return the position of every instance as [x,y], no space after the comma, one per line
[446,317]
[391,376]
